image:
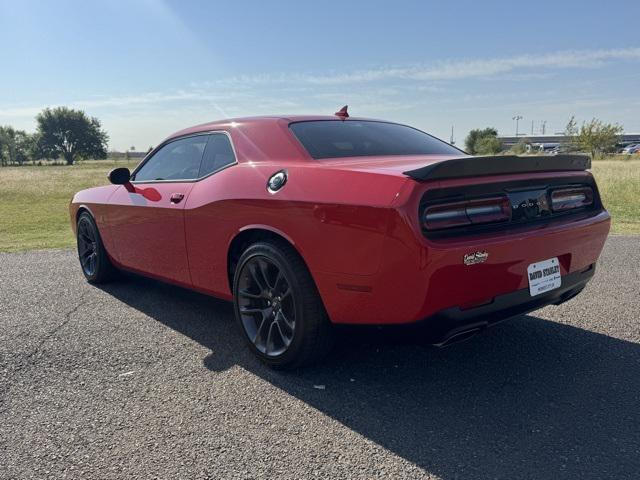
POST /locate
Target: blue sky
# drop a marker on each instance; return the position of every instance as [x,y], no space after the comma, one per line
[147,68]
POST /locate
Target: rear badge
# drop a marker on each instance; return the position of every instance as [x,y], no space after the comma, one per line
[475,257]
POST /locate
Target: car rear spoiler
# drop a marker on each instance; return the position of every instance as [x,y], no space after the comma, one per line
[499,165]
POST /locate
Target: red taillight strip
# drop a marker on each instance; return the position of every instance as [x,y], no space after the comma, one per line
[568,198]
[486,210]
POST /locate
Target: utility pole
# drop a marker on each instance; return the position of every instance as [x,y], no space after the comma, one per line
[544,125]
[532,128]
[517,118]
[451,140]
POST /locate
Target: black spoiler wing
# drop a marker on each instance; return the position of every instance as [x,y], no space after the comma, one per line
[499,165]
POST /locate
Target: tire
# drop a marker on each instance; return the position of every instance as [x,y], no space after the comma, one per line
[94,261]
[271,285]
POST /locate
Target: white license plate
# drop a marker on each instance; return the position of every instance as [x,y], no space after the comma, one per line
[544,276]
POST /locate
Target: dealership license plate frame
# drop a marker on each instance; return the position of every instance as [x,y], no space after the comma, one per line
[544,276]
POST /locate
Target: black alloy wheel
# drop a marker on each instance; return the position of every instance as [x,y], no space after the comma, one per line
[278,307]
[95,263]
[87,247]
[266,306]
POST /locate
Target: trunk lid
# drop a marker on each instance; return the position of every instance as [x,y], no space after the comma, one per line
[438,167]
[499,165]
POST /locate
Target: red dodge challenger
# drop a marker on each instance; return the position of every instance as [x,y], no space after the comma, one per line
[310,221]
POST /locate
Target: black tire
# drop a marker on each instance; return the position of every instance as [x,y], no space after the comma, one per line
[296,342]
[94,261]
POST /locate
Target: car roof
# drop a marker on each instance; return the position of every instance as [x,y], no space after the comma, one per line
[263,138]
[265,119]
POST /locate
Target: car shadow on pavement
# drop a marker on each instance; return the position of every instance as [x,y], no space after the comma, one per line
[529,398]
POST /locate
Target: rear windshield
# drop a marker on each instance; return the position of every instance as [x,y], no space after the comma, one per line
[354,138]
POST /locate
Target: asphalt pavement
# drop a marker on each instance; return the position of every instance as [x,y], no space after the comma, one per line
[138,379]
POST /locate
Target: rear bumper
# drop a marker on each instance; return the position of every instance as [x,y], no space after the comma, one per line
[420,279]
[453,324]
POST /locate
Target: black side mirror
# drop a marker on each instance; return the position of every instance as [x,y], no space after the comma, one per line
[120,176]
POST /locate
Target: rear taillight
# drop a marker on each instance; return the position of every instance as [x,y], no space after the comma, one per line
[568,198]
[470,212]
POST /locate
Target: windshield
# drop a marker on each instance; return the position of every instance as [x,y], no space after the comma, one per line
[354,138]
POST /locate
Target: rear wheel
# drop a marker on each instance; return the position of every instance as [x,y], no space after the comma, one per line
[95,263]
[278,307]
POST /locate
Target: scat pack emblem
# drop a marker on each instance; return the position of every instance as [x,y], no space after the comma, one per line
[475,257]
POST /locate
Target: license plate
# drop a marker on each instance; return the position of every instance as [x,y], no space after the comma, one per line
[543,276]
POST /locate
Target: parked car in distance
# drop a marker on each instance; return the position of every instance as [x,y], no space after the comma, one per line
[632,149]
[562,148]
[306,222]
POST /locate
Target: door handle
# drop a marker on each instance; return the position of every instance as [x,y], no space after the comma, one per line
[176,197]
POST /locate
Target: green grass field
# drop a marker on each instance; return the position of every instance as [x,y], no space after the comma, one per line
[34,200]
[619,185]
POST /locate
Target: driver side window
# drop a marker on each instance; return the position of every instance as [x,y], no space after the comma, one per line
[177,160]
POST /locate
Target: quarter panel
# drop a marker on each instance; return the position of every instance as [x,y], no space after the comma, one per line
[334,221]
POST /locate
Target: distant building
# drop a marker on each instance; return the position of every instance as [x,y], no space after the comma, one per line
[132,155]
[550,141]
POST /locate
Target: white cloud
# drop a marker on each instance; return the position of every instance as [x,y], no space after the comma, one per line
[418,93]
[449,70]
[13,112]
[241,89]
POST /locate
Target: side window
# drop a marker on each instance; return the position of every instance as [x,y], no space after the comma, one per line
[177,160]
[217,154]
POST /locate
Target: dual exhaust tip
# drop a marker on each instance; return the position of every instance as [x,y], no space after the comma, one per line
[460,336]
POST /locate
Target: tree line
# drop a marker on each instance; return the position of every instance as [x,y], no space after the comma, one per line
[72,135]
[594,137]
[61,132]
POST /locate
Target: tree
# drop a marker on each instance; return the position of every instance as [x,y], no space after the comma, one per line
[488,145]
[34,148]
[598,138]
[16,146]
[571,130]
[3,148]
[523,146]
[8,145]
[571,133]
[475,141]
[71,134]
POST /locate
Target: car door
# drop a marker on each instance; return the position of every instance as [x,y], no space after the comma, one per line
[147,217]
[209,217]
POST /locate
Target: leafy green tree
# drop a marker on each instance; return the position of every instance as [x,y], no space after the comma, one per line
[70,134]
[3,148]
[571,130]
[16,146]
[8,145]
[33,148]
[598,138]
[488,145]
[24,147]
[474,141]
[523,146]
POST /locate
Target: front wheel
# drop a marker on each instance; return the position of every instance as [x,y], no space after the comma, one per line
[278,307]
[95,263]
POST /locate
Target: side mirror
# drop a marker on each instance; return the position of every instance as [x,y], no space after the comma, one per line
[120,176]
